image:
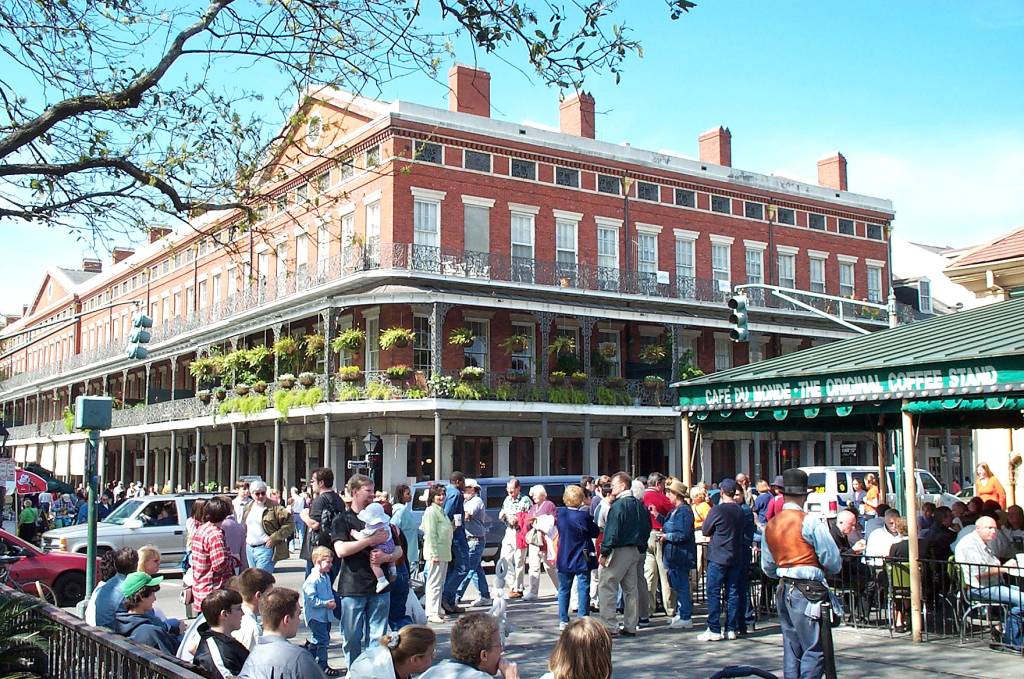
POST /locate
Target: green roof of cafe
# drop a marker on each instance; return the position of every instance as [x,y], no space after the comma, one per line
[974,353]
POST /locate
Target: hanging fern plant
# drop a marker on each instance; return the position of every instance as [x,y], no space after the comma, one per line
[349,340]
[461,337]
[396,338]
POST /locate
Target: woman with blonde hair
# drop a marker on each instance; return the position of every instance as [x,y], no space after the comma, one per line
[987,487]
[399,656]
[576,555]
[583,651]
[871,497]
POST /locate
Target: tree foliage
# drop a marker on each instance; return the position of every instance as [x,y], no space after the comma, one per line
[117,112]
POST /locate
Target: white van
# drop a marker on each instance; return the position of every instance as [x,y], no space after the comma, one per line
[831,488]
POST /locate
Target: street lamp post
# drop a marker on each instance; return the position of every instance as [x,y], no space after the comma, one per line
[371,444]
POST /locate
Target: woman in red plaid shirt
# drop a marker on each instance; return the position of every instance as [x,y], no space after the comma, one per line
[212,563]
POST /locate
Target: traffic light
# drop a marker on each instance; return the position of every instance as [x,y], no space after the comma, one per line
[139,336]
[738,317]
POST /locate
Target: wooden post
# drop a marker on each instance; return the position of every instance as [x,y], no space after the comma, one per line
[910,481]
[882,478]
[687,451]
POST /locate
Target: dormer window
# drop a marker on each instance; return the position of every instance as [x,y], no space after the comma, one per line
[924,295]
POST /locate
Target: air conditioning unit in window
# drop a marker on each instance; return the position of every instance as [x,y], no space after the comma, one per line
[663,278]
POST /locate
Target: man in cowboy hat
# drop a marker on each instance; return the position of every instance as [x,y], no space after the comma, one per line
[799,550]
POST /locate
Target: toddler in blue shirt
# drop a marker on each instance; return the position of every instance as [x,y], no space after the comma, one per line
[318,603]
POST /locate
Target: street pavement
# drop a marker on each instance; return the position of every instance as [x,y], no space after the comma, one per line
[658,652]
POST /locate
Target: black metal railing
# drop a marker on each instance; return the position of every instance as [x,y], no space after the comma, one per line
[498,268]
[75,649]
[956,598]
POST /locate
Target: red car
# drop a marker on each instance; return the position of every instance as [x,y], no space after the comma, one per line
[65,573]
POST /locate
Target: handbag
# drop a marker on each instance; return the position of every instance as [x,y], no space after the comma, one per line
[535,537]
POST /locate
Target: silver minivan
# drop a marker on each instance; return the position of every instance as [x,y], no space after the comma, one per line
[157,520]
[832,488]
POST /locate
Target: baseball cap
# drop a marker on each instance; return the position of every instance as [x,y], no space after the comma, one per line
[472,483]
[727,486]
[137,580]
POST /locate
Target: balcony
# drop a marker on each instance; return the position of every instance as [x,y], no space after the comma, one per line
[377,386]
[471,266]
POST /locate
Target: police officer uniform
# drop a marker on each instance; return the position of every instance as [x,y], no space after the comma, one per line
[799,551]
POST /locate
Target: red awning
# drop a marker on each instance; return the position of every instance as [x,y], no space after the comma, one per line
[27,482]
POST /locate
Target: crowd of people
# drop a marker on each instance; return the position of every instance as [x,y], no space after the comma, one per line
[620,548]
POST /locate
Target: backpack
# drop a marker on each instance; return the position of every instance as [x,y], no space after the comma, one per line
[322,537]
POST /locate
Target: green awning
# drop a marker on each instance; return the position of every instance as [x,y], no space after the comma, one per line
[970,354]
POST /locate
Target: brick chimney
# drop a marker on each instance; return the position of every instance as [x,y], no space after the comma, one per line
[832,171]
[576,115]
[92,265]
[469,90]
[121,254]
[716,146]
[158,232]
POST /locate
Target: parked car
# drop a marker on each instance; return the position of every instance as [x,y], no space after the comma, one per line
[65,573]
[966,493]
[492,490]
[150,520]
[831,488]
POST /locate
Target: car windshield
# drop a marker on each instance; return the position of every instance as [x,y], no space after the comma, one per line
[931,486]
[123,513]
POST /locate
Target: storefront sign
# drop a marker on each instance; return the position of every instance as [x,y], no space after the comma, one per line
[839,388]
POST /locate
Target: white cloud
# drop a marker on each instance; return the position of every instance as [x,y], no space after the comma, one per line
[957,191]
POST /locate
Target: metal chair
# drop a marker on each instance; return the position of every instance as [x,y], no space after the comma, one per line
[971,611]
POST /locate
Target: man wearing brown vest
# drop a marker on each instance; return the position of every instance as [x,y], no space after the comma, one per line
[799,550]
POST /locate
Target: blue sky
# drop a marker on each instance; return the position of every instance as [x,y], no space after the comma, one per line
[925,99]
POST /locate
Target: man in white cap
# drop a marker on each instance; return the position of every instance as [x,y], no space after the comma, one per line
[268,528]
[475,514]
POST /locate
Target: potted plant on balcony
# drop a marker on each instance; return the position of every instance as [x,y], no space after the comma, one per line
[399,373]
[286,380]
[461,337]
[471,373]
[241,389]
[557,377]
[350,373]
[654,382]
[562,345]
[314,346]
[578,379]
[517,376]
[349,340]
[205,369]
[220,393]
[259,386]
[396,338]
[685,367]
[653,353]
[615,383]
[515,344]
[608,349]
[286,346]
[203,395]
[307,379]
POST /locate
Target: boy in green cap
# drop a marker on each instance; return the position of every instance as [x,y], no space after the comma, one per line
[139,596]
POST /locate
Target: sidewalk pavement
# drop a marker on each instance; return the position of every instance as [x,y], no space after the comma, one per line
[658,652]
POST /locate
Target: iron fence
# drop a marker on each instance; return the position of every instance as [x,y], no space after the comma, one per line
[470,265]
[75,649]
[959,600]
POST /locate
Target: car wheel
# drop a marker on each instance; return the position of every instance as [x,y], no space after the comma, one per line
[70,588]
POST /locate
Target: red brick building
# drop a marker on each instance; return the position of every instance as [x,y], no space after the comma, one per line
[516,251]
